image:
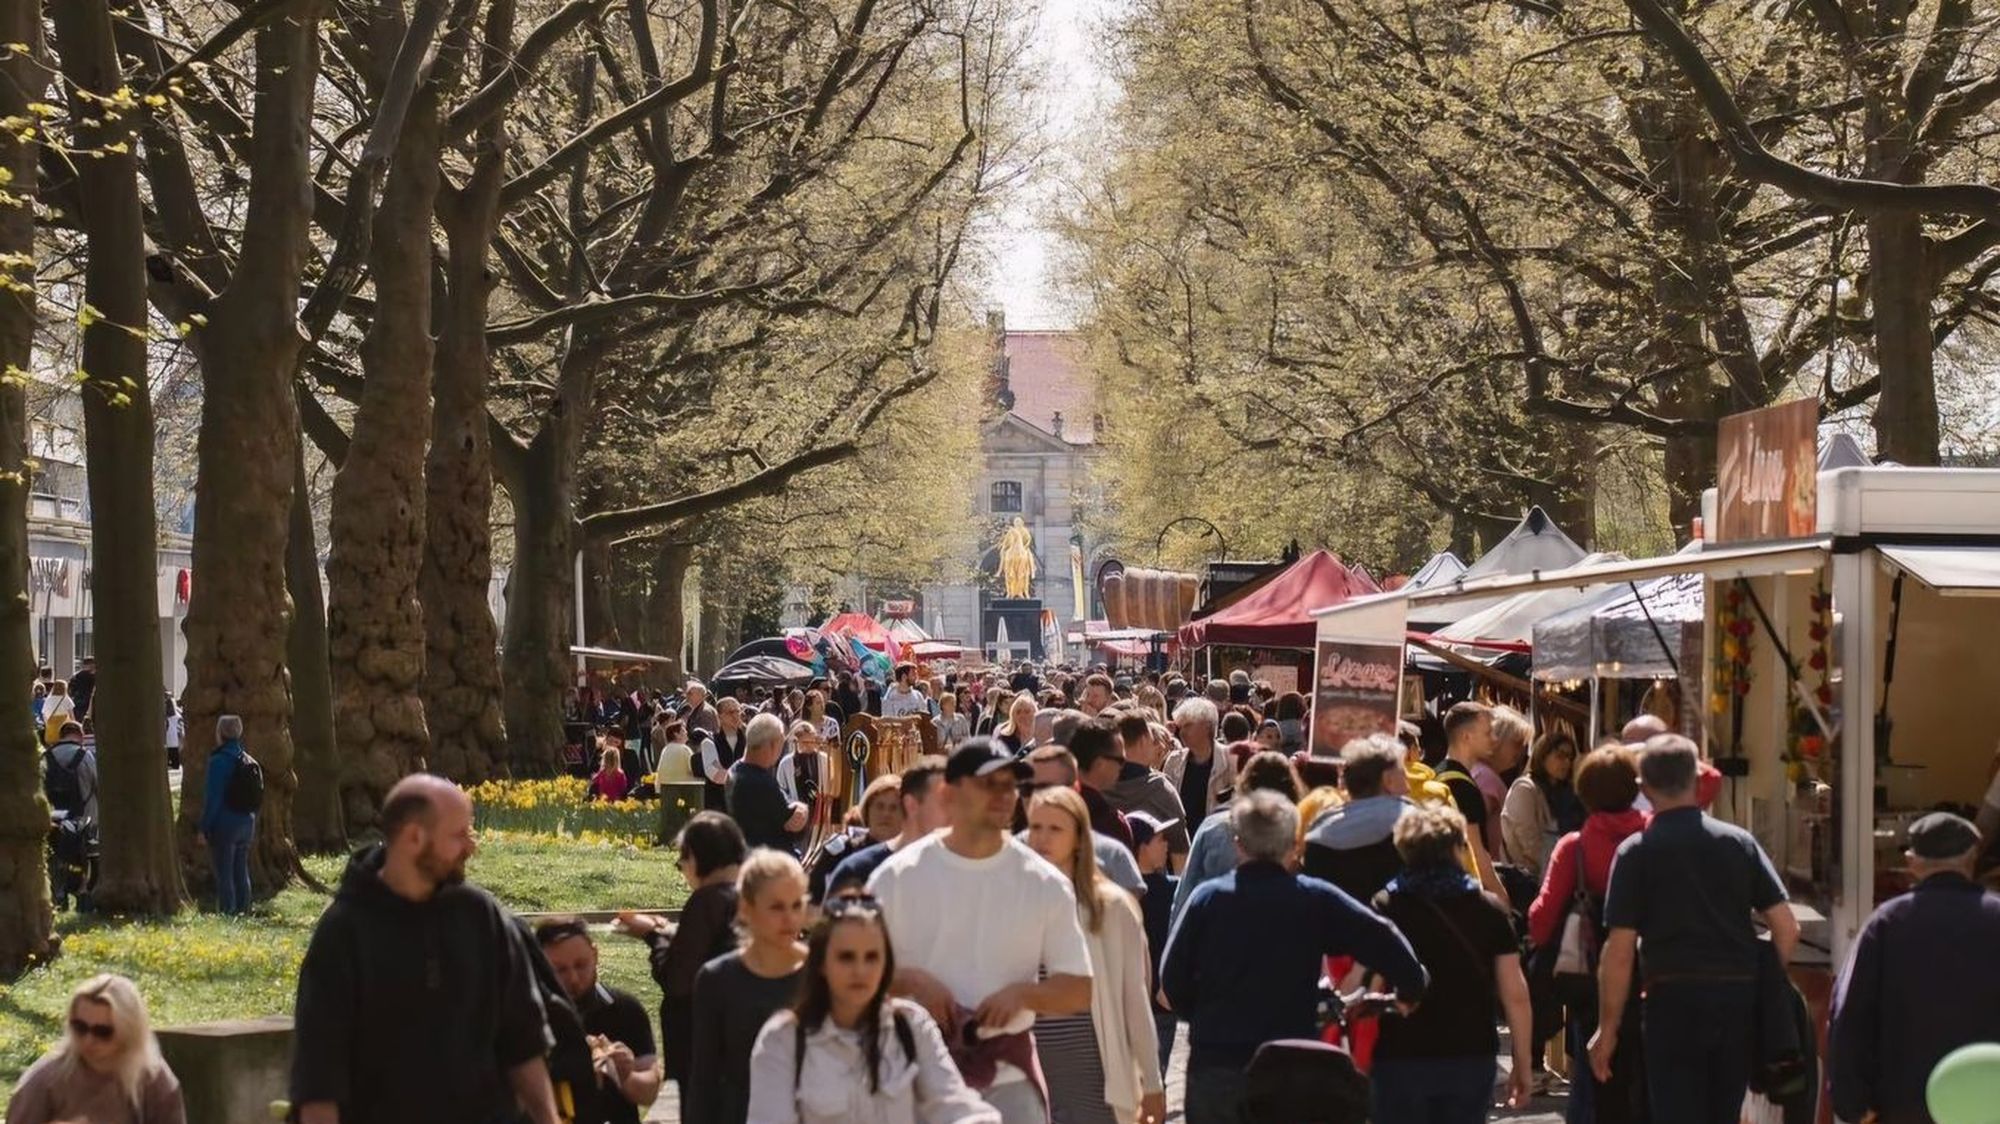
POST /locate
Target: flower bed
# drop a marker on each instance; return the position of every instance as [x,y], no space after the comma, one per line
[560,808]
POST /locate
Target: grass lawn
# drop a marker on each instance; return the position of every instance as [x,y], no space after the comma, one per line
[201,967]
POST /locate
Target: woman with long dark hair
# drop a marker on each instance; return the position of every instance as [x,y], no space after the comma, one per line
[1541,805]
[849,1051]
[711,857]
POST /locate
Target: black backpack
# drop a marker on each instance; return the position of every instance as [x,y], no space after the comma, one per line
[245,792]
[63,784]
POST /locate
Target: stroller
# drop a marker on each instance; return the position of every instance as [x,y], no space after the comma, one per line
[73,853]
[1307,1081]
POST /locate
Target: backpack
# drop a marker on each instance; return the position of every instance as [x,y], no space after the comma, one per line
[244,793]
[63,784]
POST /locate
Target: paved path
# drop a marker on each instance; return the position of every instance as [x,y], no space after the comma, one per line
[1547,1110]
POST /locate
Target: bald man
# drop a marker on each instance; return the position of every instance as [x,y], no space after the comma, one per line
[1707,779]
[417,1000]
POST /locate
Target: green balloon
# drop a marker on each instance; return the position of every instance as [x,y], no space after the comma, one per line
[1965,1086]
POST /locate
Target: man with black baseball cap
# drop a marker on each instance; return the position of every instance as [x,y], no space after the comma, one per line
[976,918]
[1923,980]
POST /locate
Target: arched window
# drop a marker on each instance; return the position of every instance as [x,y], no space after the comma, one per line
[1005,498]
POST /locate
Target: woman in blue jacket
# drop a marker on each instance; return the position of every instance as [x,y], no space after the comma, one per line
[227,831]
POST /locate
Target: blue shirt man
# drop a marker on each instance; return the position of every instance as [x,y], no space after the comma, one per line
[1233,1002]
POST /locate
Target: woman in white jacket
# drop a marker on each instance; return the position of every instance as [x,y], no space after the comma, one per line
[1103,1067]
[850,1053]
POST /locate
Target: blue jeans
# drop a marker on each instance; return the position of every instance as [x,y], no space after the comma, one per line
[229,853]
[1431,1090]
[1164,1023]
[1698,1049]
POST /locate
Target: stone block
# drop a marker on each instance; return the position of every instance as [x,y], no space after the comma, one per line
[679,801]
[230,1071]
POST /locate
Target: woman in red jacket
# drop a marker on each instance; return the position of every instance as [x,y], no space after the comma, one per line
[1607,781]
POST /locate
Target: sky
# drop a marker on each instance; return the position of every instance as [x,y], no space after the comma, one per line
[1077,85]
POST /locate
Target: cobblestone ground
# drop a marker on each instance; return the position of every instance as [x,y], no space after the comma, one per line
[1546,1110]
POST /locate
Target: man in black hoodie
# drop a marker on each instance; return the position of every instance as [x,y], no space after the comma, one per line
[417,1000]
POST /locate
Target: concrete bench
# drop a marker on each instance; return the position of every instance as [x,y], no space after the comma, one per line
[230,1071]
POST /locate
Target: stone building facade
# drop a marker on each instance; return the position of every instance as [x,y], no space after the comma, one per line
[1037,445]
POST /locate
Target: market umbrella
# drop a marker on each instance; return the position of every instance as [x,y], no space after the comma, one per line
[763,671]
[775,646]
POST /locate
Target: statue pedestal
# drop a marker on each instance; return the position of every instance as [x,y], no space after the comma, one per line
[1023,619]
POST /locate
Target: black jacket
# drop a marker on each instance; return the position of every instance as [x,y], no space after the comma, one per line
[413,1012]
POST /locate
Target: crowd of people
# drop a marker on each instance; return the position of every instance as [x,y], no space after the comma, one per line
[1018,930]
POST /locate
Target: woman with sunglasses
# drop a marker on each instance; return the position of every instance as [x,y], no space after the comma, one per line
[1103,1065]
[847,1051]
[106,1070]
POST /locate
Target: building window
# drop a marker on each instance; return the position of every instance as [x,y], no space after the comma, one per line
[1006,497]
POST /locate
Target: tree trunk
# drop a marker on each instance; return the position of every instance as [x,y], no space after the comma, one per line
[666,605]
[375,626]
[239,614]
[462,684]
[25,918]
[600,603]
[1901,286]
[140,874]
[318,826]
[535,660]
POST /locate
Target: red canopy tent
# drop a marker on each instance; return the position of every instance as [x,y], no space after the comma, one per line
[1279,614]
[866,629]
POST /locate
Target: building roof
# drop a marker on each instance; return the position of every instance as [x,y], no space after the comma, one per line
[1046,373]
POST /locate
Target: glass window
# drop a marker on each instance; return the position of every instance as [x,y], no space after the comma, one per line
[1006,497]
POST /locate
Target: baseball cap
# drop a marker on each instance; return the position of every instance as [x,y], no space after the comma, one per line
[976,757]
[1941,835]
[1145,826]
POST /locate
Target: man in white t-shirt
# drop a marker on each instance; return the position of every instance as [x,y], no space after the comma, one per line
[975,918]
[902,697]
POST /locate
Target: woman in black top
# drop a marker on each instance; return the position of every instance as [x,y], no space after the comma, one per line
[1436,1064]
[712,852]
[736,993]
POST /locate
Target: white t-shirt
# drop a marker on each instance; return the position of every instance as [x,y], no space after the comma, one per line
[979,925]
[898,701]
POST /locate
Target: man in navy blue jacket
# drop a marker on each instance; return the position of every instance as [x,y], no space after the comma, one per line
[1236,996]
[1921,983]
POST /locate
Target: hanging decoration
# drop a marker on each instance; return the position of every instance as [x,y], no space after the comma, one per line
[1734,630]
[1806,756]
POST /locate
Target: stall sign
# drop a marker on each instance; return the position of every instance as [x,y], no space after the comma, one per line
[899,608]
[1283,677]
[1767,473]
[1354,692]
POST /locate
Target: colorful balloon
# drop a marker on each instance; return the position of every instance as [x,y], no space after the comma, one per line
[1965,1086]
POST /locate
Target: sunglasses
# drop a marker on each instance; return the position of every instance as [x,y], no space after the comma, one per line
[103,1032]
[854,905]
